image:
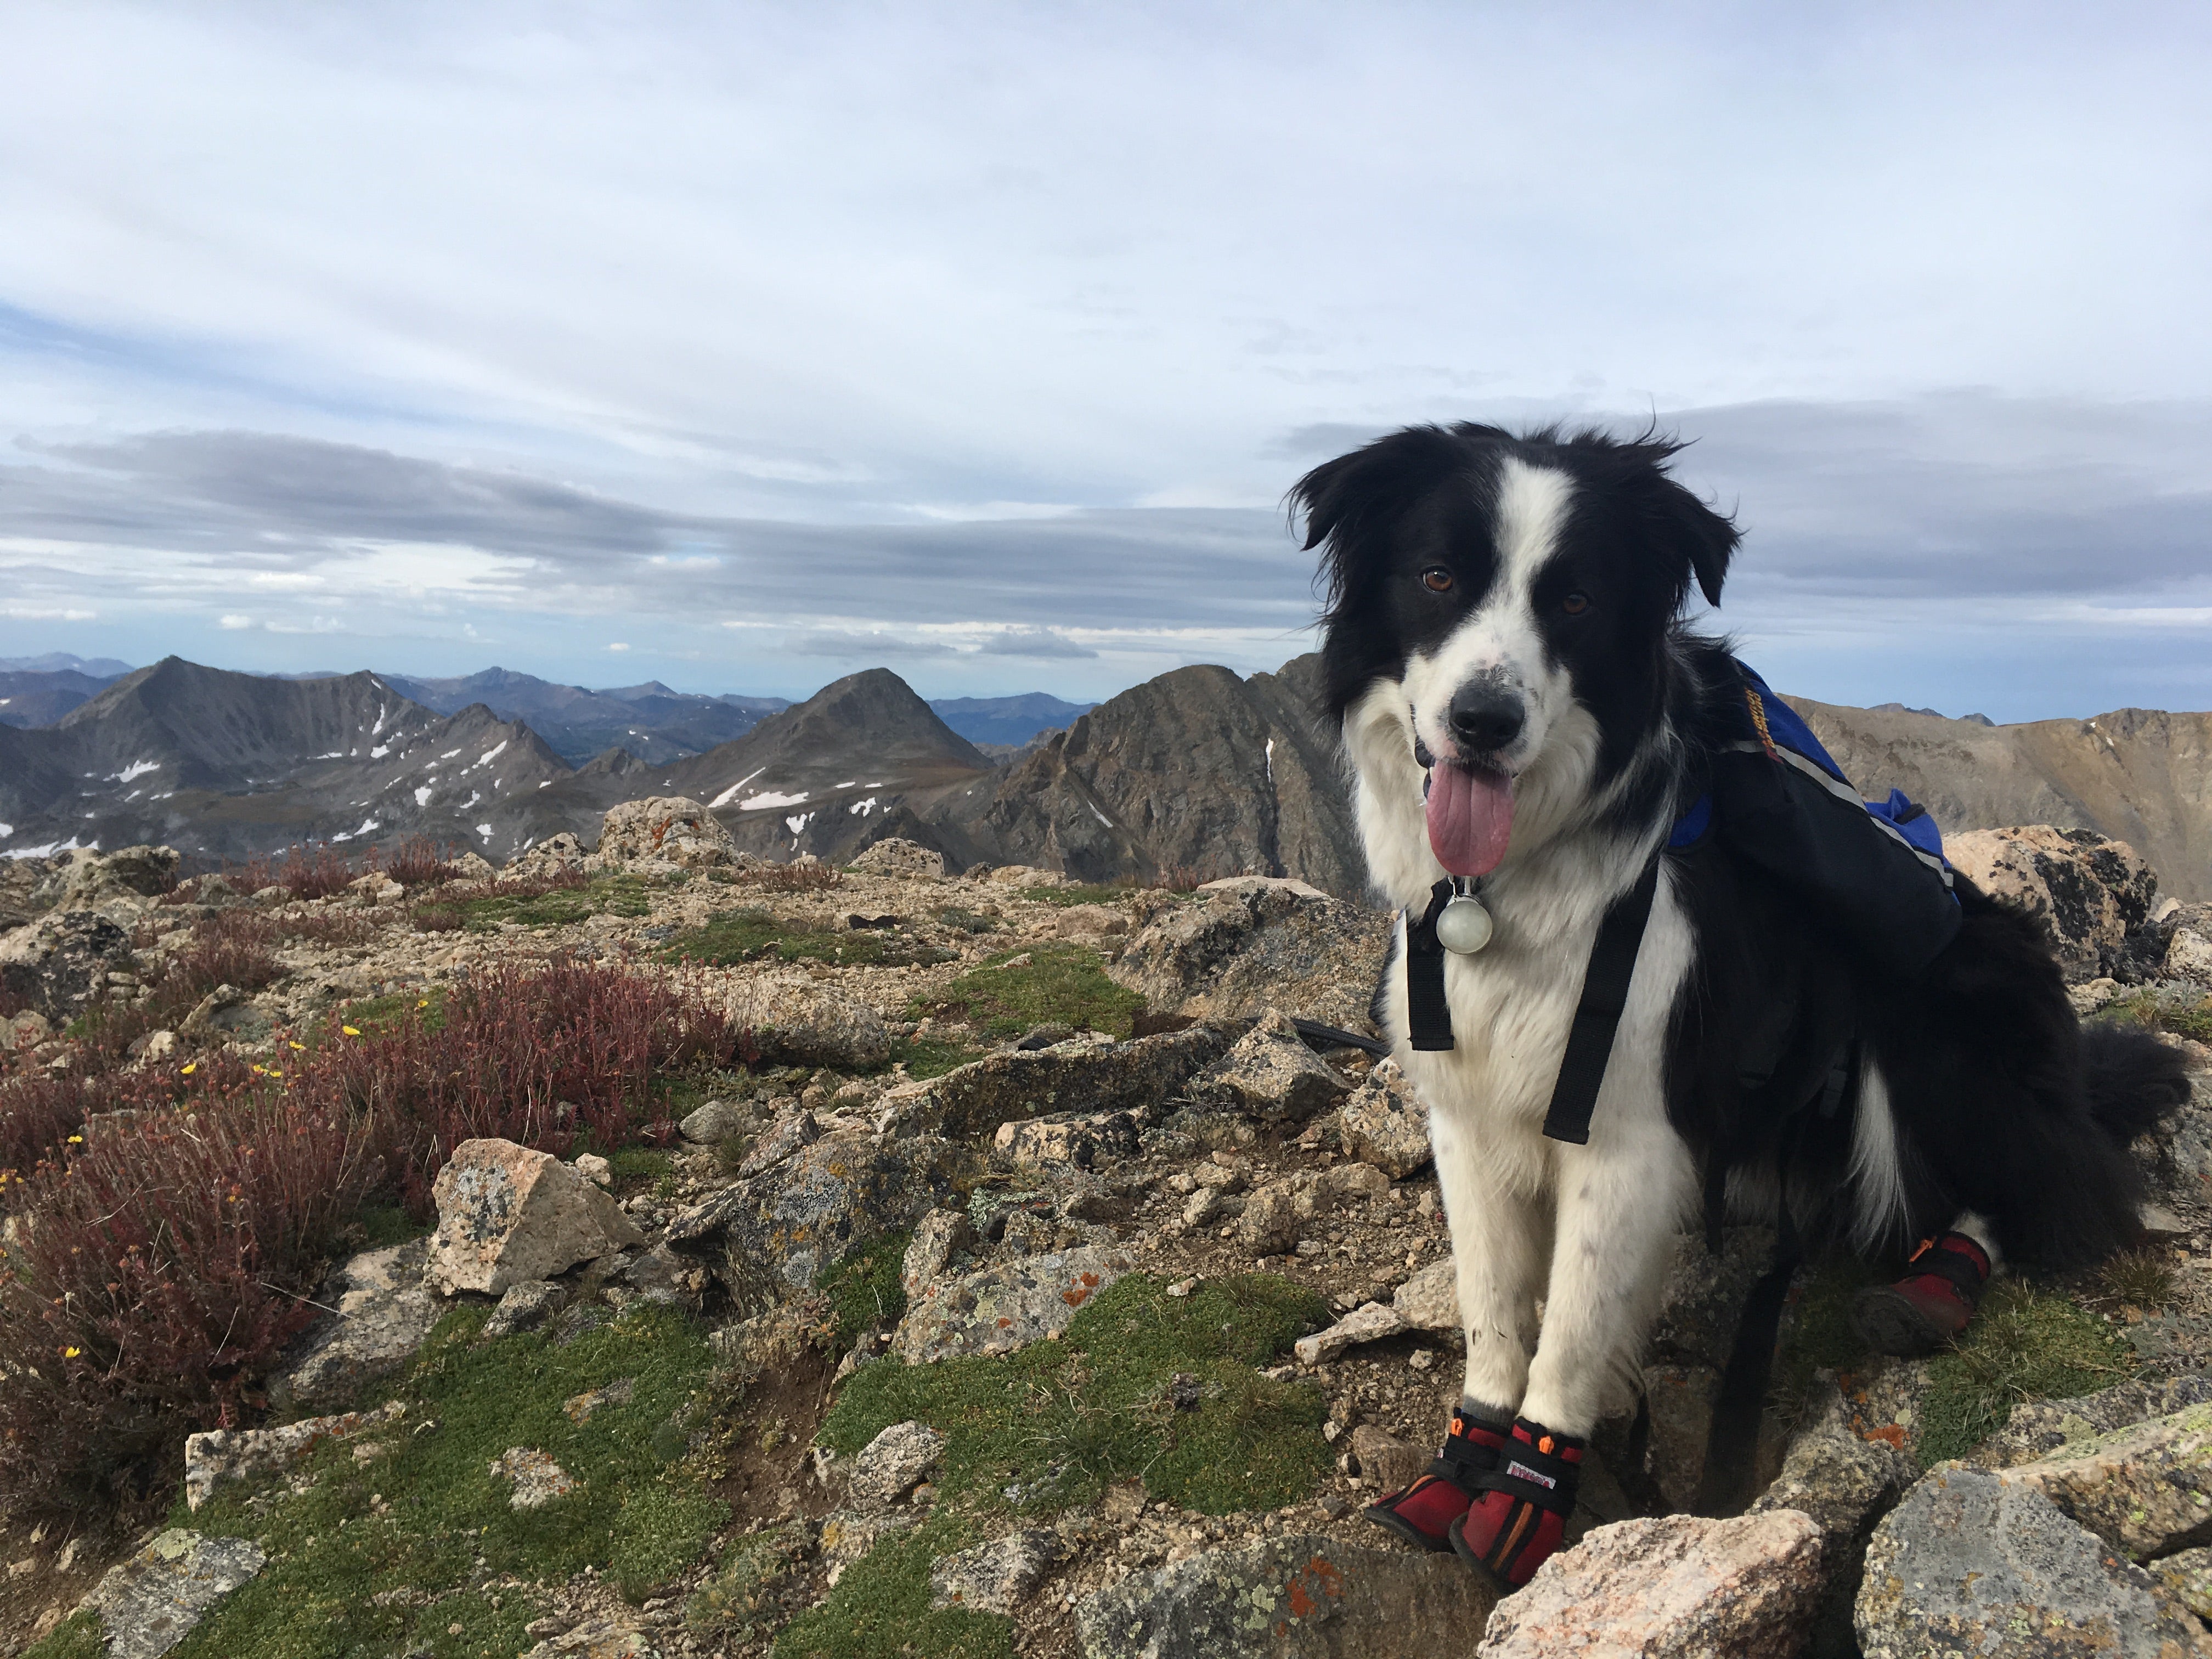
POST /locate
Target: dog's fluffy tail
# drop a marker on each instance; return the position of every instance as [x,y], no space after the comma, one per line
[2134,1081]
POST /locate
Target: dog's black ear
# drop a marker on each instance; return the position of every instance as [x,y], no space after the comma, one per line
[1705,539]
[1373,484]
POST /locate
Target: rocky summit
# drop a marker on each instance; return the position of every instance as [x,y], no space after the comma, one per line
[723,1255]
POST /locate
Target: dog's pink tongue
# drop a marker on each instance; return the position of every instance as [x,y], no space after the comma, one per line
[1470,817]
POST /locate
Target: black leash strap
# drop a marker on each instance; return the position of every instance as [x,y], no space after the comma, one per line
[1598,1016]
[1427,1014]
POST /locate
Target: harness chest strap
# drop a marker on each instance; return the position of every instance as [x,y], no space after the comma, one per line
[1597,1014]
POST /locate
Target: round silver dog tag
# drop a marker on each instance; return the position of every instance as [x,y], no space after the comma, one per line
[1464,927]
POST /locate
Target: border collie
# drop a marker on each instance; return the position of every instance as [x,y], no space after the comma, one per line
[1521,701]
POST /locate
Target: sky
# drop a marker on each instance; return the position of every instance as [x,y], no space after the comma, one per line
[745,347]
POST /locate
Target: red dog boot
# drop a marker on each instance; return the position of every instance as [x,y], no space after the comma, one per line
[1422,1513]
[1521,1508]
[1931,1306]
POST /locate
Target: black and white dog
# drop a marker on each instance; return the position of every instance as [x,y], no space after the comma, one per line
[1520,701]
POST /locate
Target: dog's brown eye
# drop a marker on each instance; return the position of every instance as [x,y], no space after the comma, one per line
[1437,578]
[1575,604]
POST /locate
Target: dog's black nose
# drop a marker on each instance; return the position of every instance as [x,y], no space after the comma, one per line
[1486,718]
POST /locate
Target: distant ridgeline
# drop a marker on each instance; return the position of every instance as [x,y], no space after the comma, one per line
[1200,771]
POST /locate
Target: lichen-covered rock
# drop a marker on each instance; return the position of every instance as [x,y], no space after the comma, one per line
[221,1455]
[713,1123]
[538,1480]
[57,961]
[1703,1304]
[549,857]
[1844,1482]
[613,1637]
[1370,1322]
[776,1230]
[1250,944]
[2189,956]
[893,1464]
[1271,1075]
[1383,1123]
[2187,1577]
[1386,1462]
[524,1306]
[383,1313]
[2093,896]
[1079,1139]
[849,1534]
[2044,1428]
[507,1213]
[797,1022]
[665,829]
[999,1308]
[938,1237]
[894,856]
[1968,1564]
[2146,1488]
[152,1602]
[1678,1586]
[1304,1596]
[1087,1075]
[996,1576]
[1428,1301]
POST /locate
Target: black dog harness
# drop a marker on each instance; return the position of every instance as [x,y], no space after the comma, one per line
[1597,1015]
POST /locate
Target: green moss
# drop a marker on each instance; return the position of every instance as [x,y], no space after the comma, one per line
[641,1163]
[880,1608]
[965,921]
[1820,1335]
[1017,989]
[1055,1423]
[864,1288]
[77,1636]
[928,1057]
[1062,1420]
[2148,1009]
[1088,893]
[751,933]
[383,1224]
[2026,1344]
[373,1016]
[617,896]
[744,1597]
[348,1576]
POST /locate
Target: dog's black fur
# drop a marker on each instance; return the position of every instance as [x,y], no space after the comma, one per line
[2002,1105]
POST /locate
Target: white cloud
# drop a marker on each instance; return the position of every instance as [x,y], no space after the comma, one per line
[233,620]
[617,646]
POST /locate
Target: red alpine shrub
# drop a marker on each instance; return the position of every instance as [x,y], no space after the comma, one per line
[153,1278]
[418,861]
[538,1055]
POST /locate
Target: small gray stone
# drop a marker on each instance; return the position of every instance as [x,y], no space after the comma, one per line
[525,1307]
[1384,1124]
[801,1022]
[1370,1323]
[150,1603]
[893,855]
[220,1455]
[893,1464]
[1428,1301]
[1386,1462]
[383,1311]
[996,1576]
[782,1141]
[713,1124]
[1271,1075]
[661,1277]
[538,1480]
[938,1237]
[848,1534]
[1304,1596]
[1967,1565]
[507,1213]
[1009,1306]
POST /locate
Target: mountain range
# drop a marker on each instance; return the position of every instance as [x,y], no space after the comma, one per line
[1200,770]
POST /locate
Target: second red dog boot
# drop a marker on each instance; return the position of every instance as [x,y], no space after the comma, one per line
[1519,1515]
[1422,1513]
[1931,1305]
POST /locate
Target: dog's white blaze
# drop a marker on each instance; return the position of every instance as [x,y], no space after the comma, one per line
[1877,1181]
[1500,639]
